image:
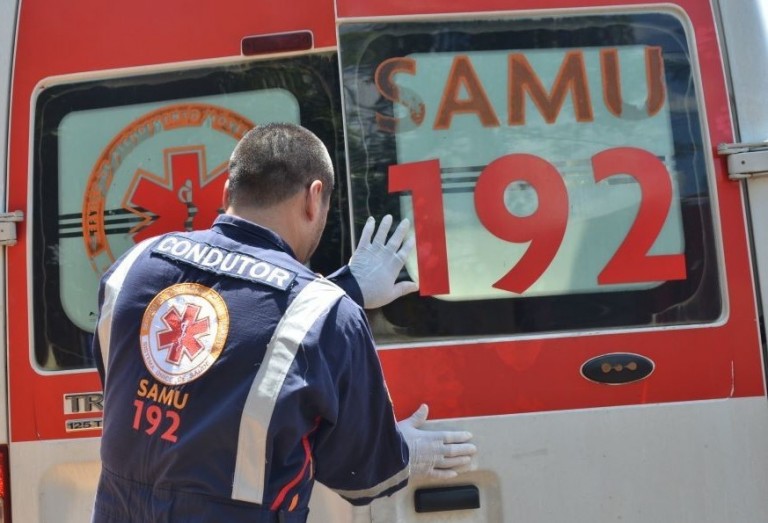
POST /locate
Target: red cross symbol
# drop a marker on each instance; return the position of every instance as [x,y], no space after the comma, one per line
[186,197]
[182,334]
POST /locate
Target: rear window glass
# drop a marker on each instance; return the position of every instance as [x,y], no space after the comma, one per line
[124,159]
[554,169]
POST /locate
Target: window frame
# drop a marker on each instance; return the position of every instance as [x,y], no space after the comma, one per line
[60,345]
[415,319]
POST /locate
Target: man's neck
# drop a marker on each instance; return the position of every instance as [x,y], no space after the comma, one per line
[280,219]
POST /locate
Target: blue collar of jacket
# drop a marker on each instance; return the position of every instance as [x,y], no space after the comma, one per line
[249,233]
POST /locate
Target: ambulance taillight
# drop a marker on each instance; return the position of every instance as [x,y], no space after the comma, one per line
[5,491]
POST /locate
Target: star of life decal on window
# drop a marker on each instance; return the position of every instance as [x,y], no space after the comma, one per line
[183,332]
[181,193]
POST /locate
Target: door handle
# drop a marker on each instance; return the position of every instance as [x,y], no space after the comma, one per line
[440,499]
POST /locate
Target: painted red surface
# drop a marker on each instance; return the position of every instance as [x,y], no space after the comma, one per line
[56,38]
[697,363]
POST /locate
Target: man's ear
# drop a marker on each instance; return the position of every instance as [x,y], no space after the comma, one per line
[314,202]
[225,199]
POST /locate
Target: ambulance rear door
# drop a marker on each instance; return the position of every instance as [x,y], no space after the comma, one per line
[123,120]
[587,306]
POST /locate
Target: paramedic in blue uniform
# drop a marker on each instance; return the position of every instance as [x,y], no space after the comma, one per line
[234,376]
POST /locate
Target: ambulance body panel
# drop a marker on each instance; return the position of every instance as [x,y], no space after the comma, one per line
[588,302]
[7,33]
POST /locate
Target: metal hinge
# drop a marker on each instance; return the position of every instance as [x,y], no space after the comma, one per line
[8,227]
[745,160]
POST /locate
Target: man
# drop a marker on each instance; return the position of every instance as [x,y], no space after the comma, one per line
[234,376]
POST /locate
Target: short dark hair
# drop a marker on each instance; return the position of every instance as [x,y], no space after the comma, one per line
[273,162]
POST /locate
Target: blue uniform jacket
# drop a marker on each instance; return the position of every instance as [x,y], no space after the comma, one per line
[233,378]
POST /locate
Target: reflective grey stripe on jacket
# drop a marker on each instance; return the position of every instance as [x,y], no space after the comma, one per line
[250,468]
[112,288]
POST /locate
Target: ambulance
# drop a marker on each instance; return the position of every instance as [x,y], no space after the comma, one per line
[587,185]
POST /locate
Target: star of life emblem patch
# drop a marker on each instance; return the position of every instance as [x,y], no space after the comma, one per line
[183,332]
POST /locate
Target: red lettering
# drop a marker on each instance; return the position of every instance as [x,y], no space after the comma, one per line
[385,83]
[654,77]
[609,65]
[422,179]
[154,416]
[464,92]
[544,228]
[631,263]
[571,77]
[463,74]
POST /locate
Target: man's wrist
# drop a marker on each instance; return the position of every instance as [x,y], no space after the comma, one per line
[346,280]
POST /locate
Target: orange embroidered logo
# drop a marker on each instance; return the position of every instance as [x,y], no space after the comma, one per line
[183,332]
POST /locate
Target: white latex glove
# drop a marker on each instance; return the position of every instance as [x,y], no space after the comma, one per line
[376,264]
[435,453]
